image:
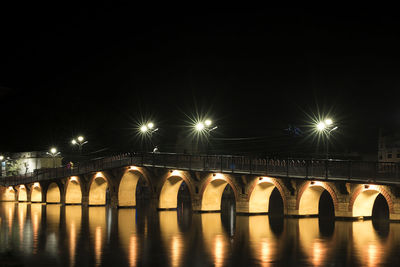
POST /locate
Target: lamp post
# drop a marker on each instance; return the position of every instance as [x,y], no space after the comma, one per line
[147,130]
[53,153]
[326,127]
[79,141]
[205,127]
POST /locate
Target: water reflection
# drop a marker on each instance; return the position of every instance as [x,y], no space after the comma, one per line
[36,216]
[369,248]
[127,234]
[22,207]
[53,226]
[171,236]
[263,242]
[45,235]
[9,207]
[315,248]
[97,229]
[73,217]
[215,238]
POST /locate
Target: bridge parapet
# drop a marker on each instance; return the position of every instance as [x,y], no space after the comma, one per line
[353,171]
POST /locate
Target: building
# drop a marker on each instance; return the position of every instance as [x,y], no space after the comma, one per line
[25,162]
[388,147]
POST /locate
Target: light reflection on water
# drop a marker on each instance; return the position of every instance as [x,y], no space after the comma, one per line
[97,229]
[73,217]
[128,235]
[56,235]
[215,238]
[314,247]
[171,236]
[263,242]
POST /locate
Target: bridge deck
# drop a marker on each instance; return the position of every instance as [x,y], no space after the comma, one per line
[335,170]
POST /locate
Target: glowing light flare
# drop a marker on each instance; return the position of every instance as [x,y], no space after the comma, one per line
[328,122]
[265,180]
[208,122]
[373,187]
[321,126]
[53,150]
[80,138]
[99,174]
[199,126]
[175,173]
[133,168]
[144,129]
[218,176]
[316,183]
[147,128]
[36,185]
[73,179]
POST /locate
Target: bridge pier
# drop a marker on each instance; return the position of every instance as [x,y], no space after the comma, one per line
[301,184]
[242,206]
[85,200]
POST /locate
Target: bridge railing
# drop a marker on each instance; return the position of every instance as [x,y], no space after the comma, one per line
[384,172]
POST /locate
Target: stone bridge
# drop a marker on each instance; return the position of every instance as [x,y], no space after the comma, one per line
[352,187]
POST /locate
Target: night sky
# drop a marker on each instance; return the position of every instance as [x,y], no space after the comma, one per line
[99,71]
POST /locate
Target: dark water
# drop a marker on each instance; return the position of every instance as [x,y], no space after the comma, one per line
[55,235]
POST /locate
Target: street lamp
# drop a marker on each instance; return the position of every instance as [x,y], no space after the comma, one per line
[326,127]
[149,129]
[53,153]
[79,141]
[205,127]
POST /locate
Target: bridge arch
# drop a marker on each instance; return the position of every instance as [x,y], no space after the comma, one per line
[170,188]
[212,190]
[73,192]
[128,184]
[8,193]
[260,193]
[98,189]
[309,195]
[362,200]
[53,194]
[36,192]
[22,193]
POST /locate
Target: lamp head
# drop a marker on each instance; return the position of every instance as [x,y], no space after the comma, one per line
[143,129]
[328,122]
[199,126]
[321,126]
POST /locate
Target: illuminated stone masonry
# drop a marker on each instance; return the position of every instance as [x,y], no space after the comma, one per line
[253,194]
